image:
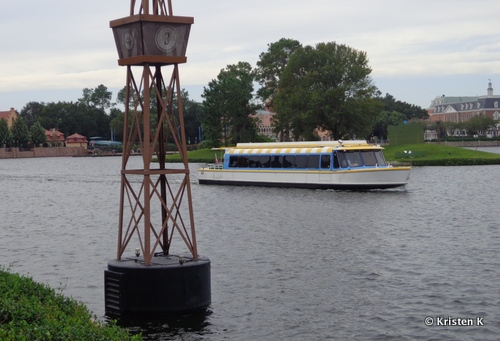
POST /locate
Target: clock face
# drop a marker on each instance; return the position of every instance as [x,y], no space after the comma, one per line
[128,40]
[166,38]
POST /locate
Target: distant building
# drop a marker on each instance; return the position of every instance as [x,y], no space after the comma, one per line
[324,135]
[55,138]
[9,116]
[265,123]
[76,140]
[99,143]
[463,108]
[430,135]
[265,126]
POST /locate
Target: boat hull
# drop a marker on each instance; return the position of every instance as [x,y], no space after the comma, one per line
[358,179]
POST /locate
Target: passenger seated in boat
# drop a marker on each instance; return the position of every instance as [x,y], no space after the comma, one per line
[276,162]
[342,159]
[286,163]
[267,162]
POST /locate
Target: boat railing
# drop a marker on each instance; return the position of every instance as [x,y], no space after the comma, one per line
[215,166]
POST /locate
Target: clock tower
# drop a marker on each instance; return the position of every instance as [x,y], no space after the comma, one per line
[151,274]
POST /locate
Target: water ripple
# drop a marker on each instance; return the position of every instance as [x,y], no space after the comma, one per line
[286,263]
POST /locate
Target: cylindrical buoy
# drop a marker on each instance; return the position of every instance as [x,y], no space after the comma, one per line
[170,284]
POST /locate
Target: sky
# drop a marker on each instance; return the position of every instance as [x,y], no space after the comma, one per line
[52,49]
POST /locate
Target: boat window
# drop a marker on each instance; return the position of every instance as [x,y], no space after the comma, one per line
[313,161]
[342,160]
[325,161]
[254,161]
[369,158]
[242,162]
[282,161]
[300,161]
[233,161]
[265,161]
[380,158]
[335,160]
[277,161]
[353,158]
[288,161]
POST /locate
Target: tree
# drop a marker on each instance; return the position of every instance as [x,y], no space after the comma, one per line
[20,133]
[271,65]
[99,97]
[70,118]
[90,122]
[37,134]
[385,119]
[116,123]
[32,112]
[478,124]
[326,87]
[134,105]
[449,128]
[86,117]
[192,111]
[5,135]
[410,111]
[55,115]
[121,97]
[227,106]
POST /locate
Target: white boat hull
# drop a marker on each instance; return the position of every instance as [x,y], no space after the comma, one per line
[353,179]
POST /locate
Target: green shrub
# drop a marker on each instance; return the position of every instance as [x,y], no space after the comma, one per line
[33,311]
[206,144]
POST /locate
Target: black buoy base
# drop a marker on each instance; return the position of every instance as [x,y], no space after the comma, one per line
[170,284]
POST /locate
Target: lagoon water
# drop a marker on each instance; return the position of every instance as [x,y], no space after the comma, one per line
[495,150]
[287,264]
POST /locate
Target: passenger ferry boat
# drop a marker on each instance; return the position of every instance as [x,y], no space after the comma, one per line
[348,165]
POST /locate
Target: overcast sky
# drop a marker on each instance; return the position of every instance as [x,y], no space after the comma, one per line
[52,49]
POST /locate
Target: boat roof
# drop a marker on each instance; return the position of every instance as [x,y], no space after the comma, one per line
[306,147]
[105,143]
[302,144]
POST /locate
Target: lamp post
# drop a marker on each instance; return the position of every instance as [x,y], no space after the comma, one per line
[438,125]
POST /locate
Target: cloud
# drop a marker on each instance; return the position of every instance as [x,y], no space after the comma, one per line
[59,44]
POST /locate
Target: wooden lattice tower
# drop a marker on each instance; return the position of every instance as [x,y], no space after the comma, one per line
[148,40]
[155,199]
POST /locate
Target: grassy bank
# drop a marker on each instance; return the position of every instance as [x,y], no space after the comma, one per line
[431,154]
[198,156]
[422,154]
[33,311]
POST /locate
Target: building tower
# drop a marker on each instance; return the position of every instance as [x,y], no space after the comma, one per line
[490,88]
[156,208]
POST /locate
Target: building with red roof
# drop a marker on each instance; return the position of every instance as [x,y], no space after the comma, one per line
[76,140]
[458,109]
[9,116]
[55,138]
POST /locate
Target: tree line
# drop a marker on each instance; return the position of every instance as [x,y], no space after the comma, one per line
[309,88]
[86,117]
[473,127]
[326,87]
[19,135]
[92,115]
